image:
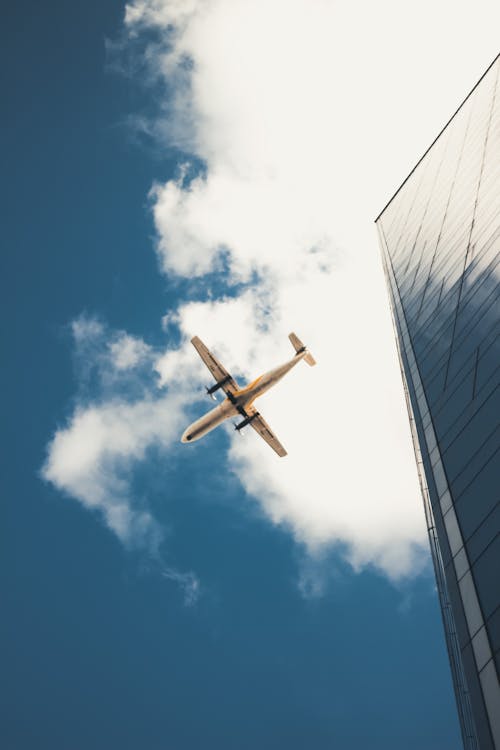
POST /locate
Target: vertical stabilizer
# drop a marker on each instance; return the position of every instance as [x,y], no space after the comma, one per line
[300,347]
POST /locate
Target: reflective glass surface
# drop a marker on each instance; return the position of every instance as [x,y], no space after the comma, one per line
[440,240]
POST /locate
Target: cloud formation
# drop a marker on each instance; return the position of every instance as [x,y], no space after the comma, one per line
[118,418]
[296,137]
[268,210]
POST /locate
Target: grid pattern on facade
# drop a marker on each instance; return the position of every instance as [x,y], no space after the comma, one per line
[440,237]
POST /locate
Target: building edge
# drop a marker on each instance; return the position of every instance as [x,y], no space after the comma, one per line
[438,136]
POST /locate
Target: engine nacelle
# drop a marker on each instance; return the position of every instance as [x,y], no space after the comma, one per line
[246,421]
[219,384]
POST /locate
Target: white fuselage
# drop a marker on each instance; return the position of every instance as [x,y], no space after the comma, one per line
[242,399]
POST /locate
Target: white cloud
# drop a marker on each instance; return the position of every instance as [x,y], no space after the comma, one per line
[120,417]
[297,109]
[128,351]
[274,201]
[92,458]
[307,115]
[111,361]
[86,329]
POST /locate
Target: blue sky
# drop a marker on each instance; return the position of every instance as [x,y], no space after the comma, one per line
[239,614]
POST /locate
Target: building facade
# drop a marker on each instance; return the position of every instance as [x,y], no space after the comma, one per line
[440,241]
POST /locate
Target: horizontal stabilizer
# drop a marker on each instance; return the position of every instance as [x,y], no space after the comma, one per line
[310,359]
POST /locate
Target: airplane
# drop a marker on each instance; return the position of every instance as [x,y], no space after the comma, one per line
[239,401]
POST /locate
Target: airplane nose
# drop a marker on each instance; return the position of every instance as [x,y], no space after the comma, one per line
[186,438]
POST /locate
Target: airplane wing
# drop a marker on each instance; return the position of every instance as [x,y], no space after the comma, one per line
[221,375]
[260,425]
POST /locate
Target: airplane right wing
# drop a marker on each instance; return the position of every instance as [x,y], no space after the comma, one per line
[260,425]
[221,375]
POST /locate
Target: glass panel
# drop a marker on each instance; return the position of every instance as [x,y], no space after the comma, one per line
[486,531]
[440,479]
[493,628]
[447,414]
[453,531]
[470,466]
[467,439]
[461,563]
[445,502]
[463,359]
[491,692]
[481,648]
[488,367]
[471,605]
[434,388]
[484,400]
[476,696]
[479,498]
[485,572]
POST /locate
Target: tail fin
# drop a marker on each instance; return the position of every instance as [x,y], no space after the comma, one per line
[299,348]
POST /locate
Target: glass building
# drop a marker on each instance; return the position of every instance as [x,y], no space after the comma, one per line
[440,241]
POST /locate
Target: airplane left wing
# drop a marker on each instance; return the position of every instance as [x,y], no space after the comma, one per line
[260,425]
[221,375]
